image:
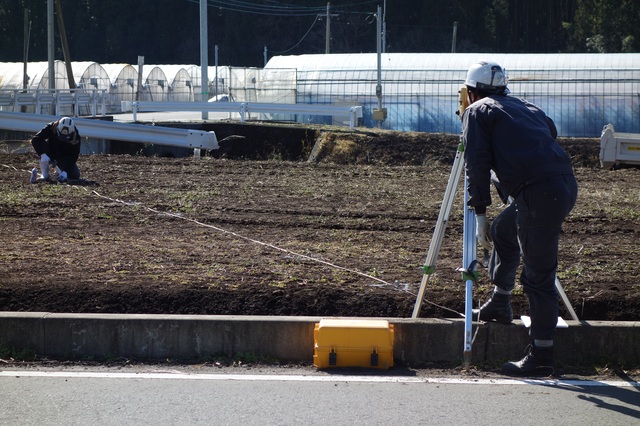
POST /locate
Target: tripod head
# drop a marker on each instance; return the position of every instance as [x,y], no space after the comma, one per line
[463,100]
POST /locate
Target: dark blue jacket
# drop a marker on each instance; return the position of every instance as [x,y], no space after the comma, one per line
[65,153]
[516,140]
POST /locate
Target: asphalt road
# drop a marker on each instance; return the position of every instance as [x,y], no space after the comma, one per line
[147,396]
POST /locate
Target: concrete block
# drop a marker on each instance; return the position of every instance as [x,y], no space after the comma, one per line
[423,341]
[177,336]
[190,337]
[599,343]
[24,330]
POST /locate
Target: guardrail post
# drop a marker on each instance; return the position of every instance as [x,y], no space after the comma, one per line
[104,102]
[76,106]
[94,102]
[57,106]
[243,110]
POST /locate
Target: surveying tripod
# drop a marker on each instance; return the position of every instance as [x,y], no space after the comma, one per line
[469,247]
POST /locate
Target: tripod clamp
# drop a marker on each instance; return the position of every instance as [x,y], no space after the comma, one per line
[469,273]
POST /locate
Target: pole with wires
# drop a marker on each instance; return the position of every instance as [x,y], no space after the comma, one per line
[327,46]
[379,114]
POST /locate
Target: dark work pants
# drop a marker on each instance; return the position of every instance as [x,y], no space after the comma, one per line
[529,228]
[73,172]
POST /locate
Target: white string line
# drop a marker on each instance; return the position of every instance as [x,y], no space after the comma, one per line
[197,222]
[235,234]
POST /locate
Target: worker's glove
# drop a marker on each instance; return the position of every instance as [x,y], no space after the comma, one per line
[482,232]
[62,177]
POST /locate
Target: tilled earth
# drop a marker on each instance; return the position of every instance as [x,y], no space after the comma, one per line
[343,234]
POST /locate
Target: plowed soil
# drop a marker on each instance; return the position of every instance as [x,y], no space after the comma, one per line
[341,230]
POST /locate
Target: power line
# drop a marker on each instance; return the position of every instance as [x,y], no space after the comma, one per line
[260,9]
[277,8]
[300,41]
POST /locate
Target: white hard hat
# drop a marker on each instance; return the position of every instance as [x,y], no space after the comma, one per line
[487,77]
[66,129]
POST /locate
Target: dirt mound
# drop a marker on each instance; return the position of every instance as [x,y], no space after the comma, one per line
[384,148]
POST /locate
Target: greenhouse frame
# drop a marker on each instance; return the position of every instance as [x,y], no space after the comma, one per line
[580,92]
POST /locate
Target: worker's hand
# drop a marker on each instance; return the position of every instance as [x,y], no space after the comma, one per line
[482,232]
[44,158]
[63,177]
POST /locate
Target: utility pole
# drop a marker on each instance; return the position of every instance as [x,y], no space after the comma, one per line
[384,28]
[215,57]
[455,33]
[139,84]
[27,36]
[204,56]
[379,114]
[379,52]
[327,46]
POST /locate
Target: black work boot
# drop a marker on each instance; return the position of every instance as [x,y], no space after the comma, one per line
[497,309]
[536,362]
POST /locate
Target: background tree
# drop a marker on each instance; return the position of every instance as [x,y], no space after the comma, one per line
[167,31]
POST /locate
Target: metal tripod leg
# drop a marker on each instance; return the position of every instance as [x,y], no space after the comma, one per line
[565,299]
[441,225]
[526,320]
[469,256]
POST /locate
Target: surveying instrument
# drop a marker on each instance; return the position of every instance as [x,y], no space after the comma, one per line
[469,245]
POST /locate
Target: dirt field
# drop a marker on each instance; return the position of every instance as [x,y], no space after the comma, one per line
[342,234]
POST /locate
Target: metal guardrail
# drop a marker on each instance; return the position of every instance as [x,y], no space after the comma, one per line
[243,108]
[101,129]
[96,99]
[56,100]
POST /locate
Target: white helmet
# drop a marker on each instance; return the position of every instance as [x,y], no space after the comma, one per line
[66,129]
[488,77]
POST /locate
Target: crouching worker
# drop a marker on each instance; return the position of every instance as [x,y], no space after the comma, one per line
[57,144]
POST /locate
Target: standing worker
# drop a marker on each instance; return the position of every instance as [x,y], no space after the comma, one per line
[516,142]
[58,143]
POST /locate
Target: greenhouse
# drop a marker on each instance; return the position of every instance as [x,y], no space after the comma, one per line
[179,83]
[581,92]
[37,76]
[154,84]
[124,79]
[219,80]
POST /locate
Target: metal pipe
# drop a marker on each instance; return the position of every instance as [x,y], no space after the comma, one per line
[455,33]
[215,56]
[327,47]
[27,36]
[469,255]
[204,56]
[379,51]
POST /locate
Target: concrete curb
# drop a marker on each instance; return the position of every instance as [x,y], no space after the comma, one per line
[190,337]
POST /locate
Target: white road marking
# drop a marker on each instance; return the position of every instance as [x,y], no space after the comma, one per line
[303,378]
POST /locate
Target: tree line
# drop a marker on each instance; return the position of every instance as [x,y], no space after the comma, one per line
[168,31]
